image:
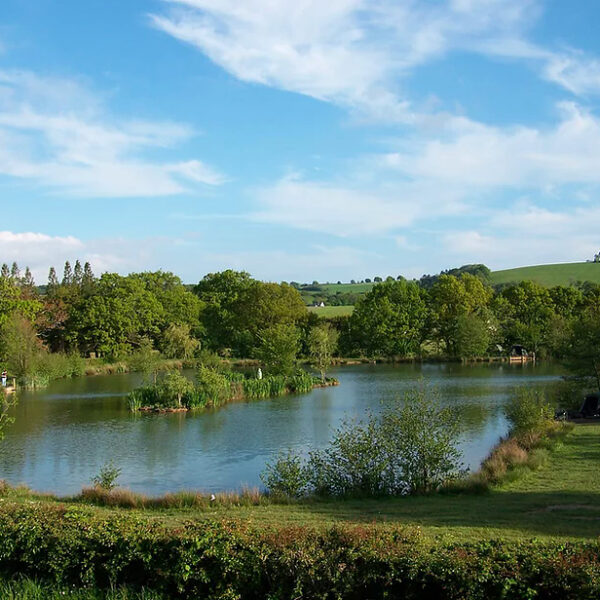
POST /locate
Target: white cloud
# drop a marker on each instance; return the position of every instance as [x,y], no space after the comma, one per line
[349,209]
[57,133]
[350,52]
[480,155]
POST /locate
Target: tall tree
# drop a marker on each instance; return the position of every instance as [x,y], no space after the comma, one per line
[15,272]
[67,274]
[52,281]
[77,273]
[87,279]
[390,319]
[5,271]
[322,344]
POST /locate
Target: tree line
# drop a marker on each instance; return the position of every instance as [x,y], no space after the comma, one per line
[230,313]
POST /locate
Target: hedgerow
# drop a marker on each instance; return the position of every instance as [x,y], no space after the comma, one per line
[226,560]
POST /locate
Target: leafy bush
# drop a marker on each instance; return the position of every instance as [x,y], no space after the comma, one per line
[212,387]
[529,410]
[226,560]
[107,477]
[287,475]
[410,449]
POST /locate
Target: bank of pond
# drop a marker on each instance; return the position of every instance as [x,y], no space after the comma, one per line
[212,388]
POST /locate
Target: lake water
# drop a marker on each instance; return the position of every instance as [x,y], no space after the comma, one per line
[65,433]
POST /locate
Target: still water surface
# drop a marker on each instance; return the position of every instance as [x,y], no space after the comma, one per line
[65,433]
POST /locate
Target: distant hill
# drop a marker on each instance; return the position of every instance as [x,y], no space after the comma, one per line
[550,275]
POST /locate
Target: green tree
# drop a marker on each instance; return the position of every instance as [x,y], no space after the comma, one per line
[583,349]
[20,346]
[177,342]
[174,386]
[278,349]
[473,336]
[454,297]
[145,359]
[390,319]
[77,273]
[67,274]
[53,284]
[322,344]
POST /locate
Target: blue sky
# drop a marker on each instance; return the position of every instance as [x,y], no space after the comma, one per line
[299,140]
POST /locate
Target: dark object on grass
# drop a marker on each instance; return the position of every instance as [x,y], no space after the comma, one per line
[591,406]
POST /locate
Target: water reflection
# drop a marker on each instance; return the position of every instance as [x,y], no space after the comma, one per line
[64,434]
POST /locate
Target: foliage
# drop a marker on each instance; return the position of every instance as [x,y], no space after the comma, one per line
[287,475]
[409,449]
[322,344]
[177,342]
[390,319]
[173,387]
[278,348]
[473,336]
[213,388]
[144,359]
[529,410]
[7,403]
[217,560]
[20,346]
[107,477]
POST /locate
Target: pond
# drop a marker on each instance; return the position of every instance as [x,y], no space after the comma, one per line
[66,432]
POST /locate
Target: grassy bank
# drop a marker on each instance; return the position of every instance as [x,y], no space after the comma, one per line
[559,498]
[534,531]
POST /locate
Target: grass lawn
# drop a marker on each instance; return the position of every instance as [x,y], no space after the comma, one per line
[550,275]
[328,312]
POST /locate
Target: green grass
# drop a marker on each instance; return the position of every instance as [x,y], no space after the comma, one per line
[347,288]
[550,275]
[327,312]
[28,589]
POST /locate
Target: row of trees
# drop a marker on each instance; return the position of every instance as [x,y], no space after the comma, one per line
[456,315]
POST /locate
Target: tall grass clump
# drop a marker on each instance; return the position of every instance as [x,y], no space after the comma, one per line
[302,383]
[529,410]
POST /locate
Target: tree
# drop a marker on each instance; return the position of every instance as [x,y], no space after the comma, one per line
[28,282]
[278,348]
[377,279]
[87,279]
[77,273]
[583,352]
[177,342]
[20,346]
[452,297]
[67,274]
[145,359]
[473,336]
[5,271]
[322,343]
[174,386]
[53,284]
[15,272]
[390,319]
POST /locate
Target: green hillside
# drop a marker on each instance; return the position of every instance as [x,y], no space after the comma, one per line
[332,311]
[550,275]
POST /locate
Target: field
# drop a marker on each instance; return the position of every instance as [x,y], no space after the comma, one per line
[550,275]
[327,312]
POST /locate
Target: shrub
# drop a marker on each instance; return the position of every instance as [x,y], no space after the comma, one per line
[286,475]
[528,410]
[212,387]
[107,477]
[219,560]
[411,449]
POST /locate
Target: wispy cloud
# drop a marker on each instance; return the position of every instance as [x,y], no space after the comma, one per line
[56,132]
[350,52]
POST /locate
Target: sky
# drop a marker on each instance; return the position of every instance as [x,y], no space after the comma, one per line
[302,140]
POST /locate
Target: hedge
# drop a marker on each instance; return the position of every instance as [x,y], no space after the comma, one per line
[77,546]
